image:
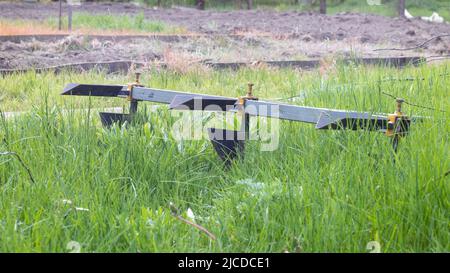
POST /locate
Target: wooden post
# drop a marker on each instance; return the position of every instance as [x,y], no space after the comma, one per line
[249,4]
[239,4]
[323,6]
[200,4]
[401,8]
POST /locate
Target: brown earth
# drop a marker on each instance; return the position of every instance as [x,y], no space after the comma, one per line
[287,36]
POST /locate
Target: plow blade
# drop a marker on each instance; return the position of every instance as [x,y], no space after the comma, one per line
[351,121]
[108,119]
[202,103]
[227,143]
[97,90]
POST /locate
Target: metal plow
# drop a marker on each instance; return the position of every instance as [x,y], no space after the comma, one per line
[230,144]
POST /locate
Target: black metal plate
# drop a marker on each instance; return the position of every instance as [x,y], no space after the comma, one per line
[99,90]
[228,143]
[202,103]
[351,121]
[108,119]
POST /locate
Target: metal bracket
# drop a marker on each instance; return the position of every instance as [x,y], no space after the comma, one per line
[228,143]
[108,119]
[133,102]
[245,121]
[398,124]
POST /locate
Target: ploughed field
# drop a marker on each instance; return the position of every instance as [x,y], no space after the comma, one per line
[263,34]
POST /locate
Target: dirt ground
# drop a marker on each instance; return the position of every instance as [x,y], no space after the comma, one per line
[269,35]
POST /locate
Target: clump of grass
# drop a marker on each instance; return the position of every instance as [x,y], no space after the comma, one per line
[320,191]
[24,27]
[182,63]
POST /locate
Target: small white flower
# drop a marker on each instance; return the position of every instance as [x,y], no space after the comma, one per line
[251,184]
[81,209]
[190,214]
[150,222]
[17,224]
[73,246]
[66,202]
[180,147]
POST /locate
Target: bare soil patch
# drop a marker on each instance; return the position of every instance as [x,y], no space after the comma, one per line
[269,35]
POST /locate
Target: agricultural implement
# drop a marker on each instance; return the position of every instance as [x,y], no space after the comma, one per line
[230,143]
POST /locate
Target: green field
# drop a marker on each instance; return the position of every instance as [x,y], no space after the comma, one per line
[320,191]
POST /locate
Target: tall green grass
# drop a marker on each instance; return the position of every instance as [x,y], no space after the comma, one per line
[320,191]
[119,22]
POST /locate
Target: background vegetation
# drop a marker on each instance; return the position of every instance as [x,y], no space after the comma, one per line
[387,7]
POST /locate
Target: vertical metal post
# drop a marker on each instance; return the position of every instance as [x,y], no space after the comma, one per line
[249,4]
[69,23]
[133,106]
[401,8]
[133,102]
[323,6]
[239,4]
[60,14]
[245,121]
[395,140]
[246,126]
[200,4]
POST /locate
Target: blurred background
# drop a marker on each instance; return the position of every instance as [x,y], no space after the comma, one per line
[382,7]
